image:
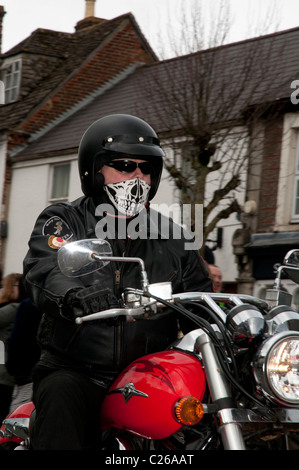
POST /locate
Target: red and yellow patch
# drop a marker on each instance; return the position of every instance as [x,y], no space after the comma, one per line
[56,242]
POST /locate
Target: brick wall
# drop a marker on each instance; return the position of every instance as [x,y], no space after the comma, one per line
[270,175]
[116,55]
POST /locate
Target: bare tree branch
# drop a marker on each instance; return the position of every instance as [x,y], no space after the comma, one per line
[207,104]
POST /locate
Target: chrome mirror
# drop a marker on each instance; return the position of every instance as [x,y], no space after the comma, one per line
[83,257]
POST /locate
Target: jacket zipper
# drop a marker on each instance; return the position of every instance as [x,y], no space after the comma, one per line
[119,326]
[117,281]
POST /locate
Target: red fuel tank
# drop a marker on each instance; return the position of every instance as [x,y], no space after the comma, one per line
[143,397]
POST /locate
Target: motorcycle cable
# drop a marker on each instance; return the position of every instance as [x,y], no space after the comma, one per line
[205,325]
[232,378]
[202,323]
[239,387]
[223,331]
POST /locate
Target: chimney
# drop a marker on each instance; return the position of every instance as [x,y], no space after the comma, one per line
[89,18]
[89,8]
[2,13]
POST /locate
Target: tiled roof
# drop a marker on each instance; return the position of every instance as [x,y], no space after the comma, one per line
[240,75]
[43,41]
[69,51]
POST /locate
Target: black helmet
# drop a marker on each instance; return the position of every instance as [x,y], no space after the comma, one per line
[117,136]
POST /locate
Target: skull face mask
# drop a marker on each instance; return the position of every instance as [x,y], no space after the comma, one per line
[129,197]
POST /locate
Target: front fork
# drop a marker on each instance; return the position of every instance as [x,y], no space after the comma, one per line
[230,431]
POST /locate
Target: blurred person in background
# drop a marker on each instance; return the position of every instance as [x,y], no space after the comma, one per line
[10,296]
[10,289]
[23,352]
[216,276]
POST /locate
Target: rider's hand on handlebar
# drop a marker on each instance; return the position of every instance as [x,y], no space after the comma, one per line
[88,300]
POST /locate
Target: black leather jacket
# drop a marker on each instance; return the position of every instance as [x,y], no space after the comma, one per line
[104,347]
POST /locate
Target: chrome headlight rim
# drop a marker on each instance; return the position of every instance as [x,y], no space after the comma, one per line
[261,364]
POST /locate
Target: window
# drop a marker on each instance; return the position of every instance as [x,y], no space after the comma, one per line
[59,187]
[12,79]
[296,184]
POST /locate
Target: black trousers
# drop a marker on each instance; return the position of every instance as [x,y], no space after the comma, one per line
[67,412]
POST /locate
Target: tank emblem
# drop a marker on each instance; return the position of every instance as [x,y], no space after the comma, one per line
[128,391]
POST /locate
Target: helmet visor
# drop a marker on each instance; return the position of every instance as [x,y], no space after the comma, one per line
[133,144]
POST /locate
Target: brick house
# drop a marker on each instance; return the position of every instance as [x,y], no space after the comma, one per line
[50,75]
[114,70]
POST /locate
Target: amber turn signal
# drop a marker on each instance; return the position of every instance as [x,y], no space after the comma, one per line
[189,411]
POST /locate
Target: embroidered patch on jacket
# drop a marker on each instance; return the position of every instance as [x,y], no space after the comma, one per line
[56,242]
[57,227]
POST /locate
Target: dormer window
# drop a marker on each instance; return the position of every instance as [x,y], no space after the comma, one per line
[11,77]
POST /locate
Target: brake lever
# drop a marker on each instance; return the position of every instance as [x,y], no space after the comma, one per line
[111,313]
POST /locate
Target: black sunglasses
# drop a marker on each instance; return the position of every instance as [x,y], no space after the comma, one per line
[129,166]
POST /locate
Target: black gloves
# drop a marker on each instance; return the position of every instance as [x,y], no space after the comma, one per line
[78,303]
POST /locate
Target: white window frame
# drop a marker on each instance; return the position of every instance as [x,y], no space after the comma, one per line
[12,79]
[295,208]
[64,197]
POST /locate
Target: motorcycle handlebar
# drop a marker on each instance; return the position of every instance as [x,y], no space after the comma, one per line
[209,298]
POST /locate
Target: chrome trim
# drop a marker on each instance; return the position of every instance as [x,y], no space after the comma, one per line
[219,297]
[17,426]
[259,366]
[128,391]
[237,415]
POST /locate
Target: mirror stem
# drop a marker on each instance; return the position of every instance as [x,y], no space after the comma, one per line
[128,260]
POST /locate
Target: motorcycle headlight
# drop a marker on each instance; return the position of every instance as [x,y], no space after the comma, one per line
[276,368]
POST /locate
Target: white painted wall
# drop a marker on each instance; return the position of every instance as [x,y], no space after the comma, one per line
[233,150]
[28,197]
[224,257]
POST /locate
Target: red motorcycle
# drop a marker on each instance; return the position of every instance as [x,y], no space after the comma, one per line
[232,383]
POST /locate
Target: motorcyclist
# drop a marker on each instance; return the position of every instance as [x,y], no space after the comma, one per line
[120,165]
